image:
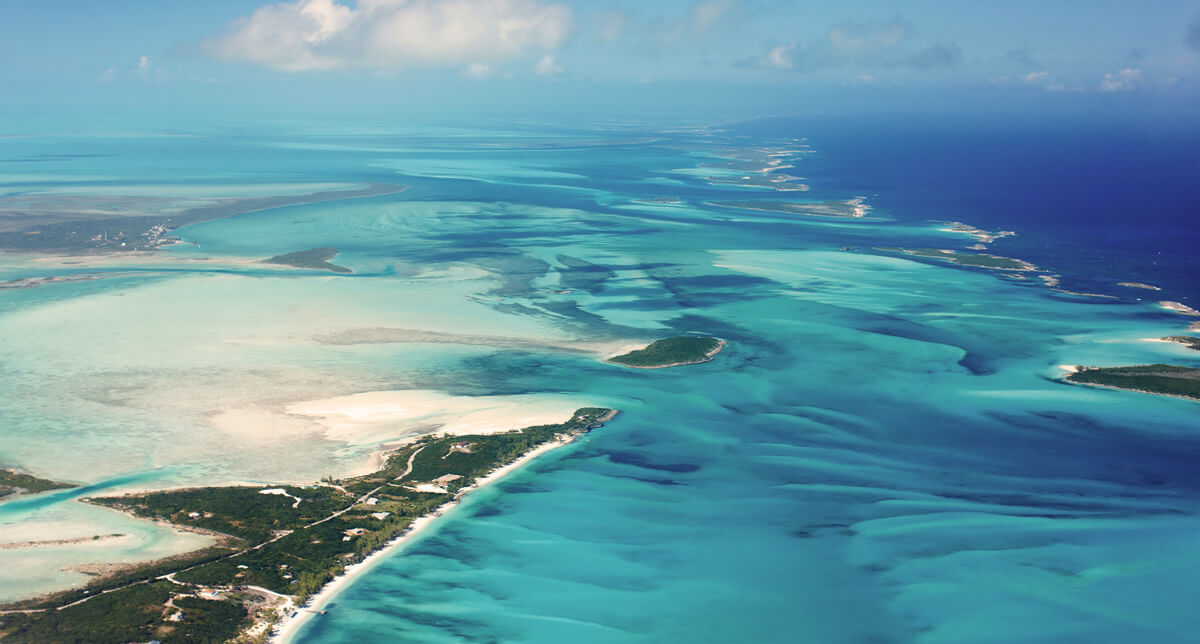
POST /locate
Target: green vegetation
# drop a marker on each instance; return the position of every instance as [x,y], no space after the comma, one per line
[1189,341]
[672,352]
[317,258]
[31,230]
[1165,379]
[137,614]
[981,260]
[14,482]
[270,541]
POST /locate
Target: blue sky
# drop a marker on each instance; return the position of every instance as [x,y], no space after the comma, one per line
[705,58]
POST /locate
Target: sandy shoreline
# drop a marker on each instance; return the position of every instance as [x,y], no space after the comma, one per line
[1137,391]
[287,627]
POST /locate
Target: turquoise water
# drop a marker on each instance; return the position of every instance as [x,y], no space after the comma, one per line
[882,453]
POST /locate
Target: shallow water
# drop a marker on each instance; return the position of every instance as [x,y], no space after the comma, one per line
[882,453]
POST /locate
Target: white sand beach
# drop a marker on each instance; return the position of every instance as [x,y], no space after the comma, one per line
[292,621]
[366,418]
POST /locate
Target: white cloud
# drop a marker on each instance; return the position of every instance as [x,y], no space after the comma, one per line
[547,66]
[477,70]
[698,20]
[107,75]
[1035,78]
[778,58]
[706,15]
[867,45]
[143,64]
[856,39]
[390,34]
[610,25]
[1123,80]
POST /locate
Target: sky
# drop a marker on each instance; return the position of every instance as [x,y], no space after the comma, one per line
[681,58]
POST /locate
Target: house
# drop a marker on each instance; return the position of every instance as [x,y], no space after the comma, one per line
[373,501]
[354,532]
[381,515]
[193,515]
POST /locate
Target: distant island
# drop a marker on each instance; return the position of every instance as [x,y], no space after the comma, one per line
[13,482]
[672,352]
[1162,379]
[317,258]
[980,260]
[852,208]
[1179,307]
[1189,341]
[277,545]
[1149,287]
[65,224]
[978,234]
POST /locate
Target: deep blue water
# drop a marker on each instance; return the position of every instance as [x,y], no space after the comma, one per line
[1097,200]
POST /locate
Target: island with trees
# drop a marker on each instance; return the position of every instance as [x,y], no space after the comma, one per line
[13,482]
[317,258]
[672,352]
[963,258]
[1189,341]
[1162,379]
[276,545]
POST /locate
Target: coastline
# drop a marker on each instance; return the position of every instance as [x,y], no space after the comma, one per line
[286,628]
[1069,370]
[1138,391]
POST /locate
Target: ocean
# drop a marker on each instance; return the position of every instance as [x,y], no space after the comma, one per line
[883,452]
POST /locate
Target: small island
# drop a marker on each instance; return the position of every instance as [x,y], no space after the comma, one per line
[1179,307]
[1148,287]
[13,482]
[853,208]
[276,545]
[672,352]
[978,234]
[979,260]
[1162,379]
[317,258]
[1189,341]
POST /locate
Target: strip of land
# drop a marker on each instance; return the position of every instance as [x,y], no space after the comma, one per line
[1189,341]
[852,208]
[63,224]
[962,258]
[672,352]
[1161,379]
[978,234]
[58,542]
[317,258]
[13,482]
[1179,307]
[1149,287]
[282,543]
